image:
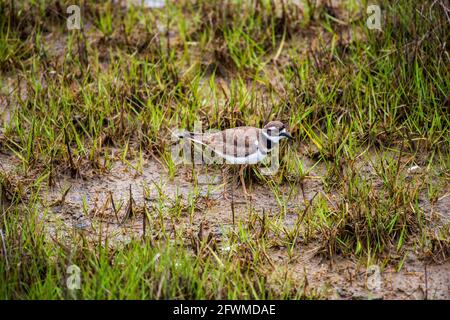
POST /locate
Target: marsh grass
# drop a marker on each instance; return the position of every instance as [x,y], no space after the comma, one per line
[134,74]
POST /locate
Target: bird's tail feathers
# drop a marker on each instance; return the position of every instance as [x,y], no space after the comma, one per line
[188,135]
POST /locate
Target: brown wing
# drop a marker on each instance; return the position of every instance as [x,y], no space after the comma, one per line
[237,142]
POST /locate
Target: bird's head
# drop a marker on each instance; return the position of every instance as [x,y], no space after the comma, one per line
[275,131]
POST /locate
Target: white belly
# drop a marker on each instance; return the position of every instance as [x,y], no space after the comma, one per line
[250,159]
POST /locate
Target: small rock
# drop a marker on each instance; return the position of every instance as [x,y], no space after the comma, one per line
[342,292]
[226,248]
[414,169]
[81,224]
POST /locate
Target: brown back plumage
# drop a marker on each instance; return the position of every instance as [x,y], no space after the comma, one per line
[239,141]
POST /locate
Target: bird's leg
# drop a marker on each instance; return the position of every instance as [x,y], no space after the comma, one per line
[241,175]
[225,182]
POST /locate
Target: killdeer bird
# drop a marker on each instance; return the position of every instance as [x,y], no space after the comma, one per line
[241,145]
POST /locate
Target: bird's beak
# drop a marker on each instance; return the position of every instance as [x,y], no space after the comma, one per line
[287,135]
